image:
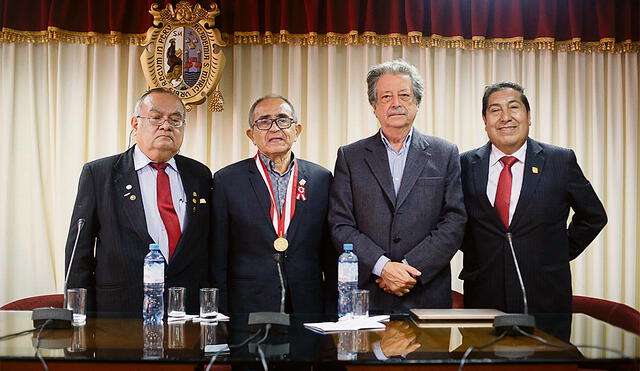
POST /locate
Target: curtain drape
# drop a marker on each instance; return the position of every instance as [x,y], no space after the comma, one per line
[469,24]
[65,104]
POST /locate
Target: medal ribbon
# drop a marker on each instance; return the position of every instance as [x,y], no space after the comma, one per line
[280,222]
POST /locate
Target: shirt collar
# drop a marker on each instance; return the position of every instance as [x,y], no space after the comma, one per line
[405,144]
[497,154]
[141,160]
[270,165]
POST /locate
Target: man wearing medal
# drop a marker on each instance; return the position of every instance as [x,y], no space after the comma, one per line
[273,203]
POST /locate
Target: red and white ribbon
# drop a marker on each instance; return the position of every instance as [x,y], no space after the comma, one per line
[280,222]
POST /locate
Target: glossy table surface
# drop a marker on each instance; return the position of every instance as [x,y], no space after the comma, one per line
[402,342]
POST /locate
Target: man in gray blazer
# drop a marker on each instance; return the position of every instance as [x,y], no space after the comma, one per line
[397,197]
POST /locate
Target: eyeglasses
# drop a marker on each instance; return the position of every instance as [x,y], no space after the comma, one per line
[281,122]
[158,121]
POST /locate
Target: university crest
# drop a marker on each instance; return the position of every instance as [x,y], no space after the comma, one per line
[183,53]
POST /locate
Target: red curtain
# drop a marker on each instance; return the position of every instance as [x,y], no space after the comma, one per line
[613,21]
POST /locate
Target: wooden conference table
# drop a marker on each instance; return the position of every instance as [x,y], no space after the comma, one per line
[116,343]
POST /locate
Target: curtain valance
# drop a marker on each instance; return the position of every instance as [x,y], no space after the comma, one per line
[586,25]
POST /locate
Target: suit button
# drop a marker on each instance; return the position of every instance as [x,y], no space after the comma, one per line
[396,239]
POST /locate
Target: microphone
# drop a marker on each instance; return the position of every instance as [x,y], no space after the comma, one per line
[278,258]
[275,318]
[59,317]
[506,324]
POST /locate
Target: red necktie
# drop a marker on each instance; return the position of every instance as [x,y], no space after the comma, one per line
[503,193]
[165,206]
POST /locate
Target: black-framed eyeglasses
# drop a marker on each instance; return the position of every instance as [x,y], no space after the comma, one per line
[158,121]
[281,122]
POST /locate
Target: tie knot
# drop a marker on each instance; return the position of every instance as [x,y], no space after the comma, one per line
[159,165]
[508,161]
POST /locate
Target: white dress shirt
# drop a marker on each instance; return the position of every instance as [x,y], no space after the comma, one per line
[147,176]
[517,172]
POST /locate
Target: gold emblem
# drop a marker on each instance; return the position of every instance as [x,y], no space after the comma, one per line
[132,197]
[534,170]
[203,201]
[194,201]
[195,194]
[183,52]
[281,244]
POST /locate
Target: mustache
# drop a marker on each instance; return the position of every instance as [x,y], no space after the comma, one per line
[397,111]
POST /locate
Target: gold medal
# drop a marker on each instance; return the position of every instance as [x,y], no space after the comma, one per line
[280,244]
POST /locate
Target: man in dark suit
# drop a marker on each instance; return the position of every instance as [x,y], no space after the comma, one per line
[397,197]
[148,194]
[273,203]
[523,187]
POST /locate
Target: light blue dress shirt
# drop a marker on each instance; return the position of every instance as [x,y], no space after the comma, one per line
[397,161]
[147,176]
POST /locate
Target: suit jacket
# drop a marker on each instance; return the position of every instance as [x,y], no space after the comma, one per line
[244,268]
[115,223]
[552,184]
[424,224]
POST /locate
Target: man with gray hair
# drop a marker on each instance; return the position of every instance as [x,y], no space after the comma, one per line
[397,197]
[147,194]
[273,206]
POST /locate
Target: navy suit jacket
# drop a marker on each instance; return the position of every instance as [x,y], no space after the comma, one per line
[244,268]
[423,224]
[552,184]
[116,225]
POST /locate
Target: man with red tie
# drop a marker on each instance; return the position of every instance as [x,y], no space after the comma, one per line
[523,187]
[148,194]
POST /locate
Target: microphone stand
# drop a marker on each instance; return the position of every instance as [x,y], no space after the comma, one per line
[273,318]
[507,323]
[59,318]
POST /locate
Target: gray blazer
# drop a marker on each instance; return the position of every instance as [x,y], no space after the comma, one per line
[424,224]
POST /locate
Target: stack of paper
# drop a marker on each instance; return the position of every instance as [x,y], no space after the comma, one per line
[369,323]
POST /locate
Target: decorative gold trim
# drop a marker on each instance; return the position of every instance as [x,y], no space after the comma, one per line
[54,34]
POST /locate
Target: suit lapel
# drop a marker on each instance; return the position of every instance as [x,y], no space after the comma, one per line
[189,184]
[260,191]
[417,159]
[301,205]
[480,171]
[378,162]
[130,200]
[530,179]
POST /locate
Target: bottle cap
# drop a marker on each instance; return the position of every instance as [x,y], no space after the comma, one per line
[154,246]
[347,247]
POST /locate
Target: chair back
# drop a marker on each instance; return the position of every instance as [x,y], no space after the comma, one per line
[32,302]
[617,314]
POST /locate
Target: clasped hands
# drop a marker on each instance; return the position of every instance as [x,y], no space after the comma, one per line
[397,278]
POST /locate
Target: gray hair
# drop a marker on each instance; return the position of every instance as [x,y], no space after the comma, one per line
[136,109]
[396,67]
[271,96]
[503,86]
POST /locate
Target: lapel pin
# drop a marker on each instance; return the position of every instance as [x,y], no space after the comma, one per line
[194,209]
[132,197]
[302,182]
[203,201]
[195,201]
[128,187]
[534,170]
[127,194]
[195,194]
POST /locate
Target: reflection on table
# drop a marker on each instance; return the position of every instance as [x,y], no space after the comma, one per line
[402,341]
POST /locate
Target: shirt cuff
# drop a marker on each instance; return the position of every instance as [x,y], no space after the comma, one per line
[377,268]
[377,351]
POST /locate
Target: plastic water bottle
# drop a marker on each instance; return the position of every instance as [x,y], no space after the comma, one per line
[153,302]
[347,280]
